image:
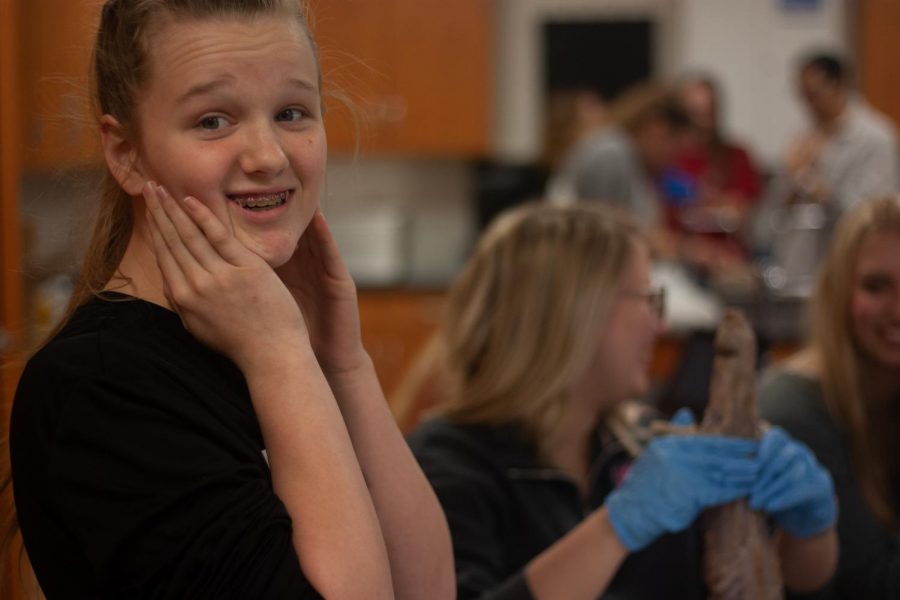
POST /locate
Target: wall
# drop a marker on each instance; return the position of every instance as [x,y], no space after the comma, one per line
[401,220]
[750,44]
[752,47]
[518,81]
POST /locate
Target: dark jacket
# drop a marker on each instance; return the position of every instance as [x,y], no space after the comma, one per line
[504,508]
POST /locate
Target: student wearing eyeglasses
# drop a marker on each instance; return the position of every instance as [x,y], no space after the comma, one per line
[548,333]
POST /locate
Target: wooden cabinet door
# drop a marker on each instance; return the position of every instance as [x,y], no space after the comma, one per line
[56,41]
[443,75]
[416,70]
[357,57]
[879,58]
[395,326]
[11,322]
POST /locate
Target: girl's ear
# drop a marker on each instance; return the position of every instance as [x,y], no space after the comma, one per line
[121,156]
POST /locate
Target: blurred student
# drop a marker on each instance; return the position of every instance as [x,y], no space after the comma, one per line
[850,151]
[572,115]
[549,331]
[619,164]
[841,395]
[712,190]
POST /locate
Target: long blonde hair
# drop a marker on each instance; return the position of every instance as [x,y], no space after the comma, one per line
[525,315]
[121,61]
[843,368]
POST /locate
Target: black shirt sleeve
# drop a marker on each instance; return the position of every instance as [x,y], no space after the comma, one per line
[474,504]
[129,484]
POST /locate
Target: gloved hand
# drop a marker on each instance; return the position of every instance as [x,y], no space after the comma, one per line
[792,486]
[677,477]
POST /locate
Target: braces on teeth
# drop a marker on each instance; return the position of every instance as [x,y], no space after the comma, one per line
[261,201]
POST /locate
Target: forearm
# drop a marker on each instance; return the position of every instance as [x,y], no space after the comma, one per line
[808,564]
[315,473]
[579,565]
[412,522]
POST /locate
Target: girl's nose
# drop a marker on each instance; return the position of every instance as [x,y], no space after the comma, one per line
[263,152]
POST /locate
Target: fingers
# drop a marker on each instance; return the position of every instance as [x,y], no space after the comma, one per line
[192,231]
[781,460]
[683,418]
[216,233]
[173,276]
[794,485]
[706,445]
[185,242]
[322,245]
[714,459]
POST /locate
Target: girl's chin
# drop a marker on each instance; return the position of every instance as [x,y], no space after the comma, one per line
[276,256]
[276,248]
[279,259]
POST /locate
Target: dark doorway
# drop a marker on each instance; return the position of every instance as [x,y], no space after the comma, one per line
[604,56]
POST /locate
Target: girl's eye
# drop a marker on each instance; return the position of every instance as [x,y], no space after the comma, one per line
[876,285]
[289,114]
[212,123]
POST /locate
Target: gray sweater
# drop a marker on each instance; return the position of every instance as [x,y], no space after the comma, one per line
[869,565]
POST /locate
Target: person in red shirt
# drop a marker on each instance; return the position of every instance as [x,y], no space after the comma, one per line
[711,192]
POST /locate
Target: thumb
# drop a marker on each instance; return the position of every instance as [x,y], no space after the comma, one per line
[683,418]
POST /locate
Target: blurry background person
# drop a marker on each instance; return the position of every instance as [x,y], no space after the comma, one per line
[548,333]
[711,191]
[850,152]
[572,115]
[841,395]
[619,164]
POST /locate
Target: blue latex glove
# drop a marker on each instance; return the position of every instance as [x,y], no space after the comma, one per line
[683,418]
[793,487]
[675,479]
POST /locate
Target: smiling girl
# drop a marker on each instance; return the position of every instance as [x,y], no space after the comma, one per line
[206,421]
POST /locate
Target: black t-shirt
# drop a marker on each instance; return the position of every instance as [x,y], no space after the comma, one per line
[504,508]
[138,466]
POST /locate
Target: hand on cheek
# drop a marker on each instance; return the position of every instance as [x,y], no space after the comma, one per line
[227,297]
[323,288]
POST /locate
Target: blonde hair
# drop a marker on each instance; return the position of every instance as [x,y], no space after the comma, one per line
[843,367]
[647,102]
[525,315]
[121,70]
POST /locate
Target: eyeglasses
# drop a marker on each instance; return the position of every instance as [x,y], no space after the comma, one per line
[655,298]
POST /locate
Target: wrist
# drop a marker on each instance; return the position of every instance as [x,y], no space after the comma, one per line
[617,510]
[611,542]
[352,371]
[277,357]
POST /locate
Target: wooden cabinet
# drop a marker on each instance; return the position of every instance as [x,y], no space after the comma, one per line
[396,326]
[416,71]
[11,321]
[55,49]
[878,31]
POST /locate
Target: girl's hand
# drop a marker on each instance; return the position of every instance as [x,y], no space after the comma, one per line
[226,296]
[320,283]
[793,487]
[675,479]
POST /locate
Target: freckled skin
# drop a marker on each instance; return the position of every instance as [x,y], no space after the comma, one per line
[259,128]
